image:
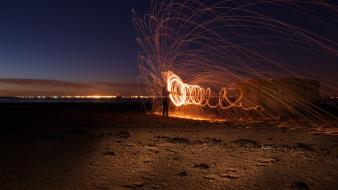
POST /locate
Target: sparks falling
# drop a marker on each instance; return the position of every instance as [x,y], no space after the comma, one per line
[224,60]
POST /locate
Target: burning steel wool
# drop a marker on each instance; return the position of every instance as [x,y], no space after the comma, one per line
[185,94]
[234,60]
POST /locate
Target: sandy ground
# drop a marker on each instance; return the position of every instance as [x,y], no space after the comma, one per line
[113,147]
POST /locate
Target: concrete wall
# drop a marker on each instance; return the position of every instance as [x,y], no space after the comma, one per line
[280,94]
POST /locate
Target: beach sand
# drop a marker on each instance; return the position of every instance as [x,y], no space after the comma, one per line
[110,146]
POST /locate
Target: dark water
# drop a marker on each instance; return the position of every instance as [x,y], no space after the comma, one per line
[70,100]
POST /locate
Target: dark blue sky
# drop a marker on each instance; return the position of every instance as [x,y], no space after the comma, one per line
[44,43]
[80,41]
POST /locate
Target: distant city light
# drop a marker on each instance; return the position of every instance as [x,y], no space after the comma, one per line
[86,97]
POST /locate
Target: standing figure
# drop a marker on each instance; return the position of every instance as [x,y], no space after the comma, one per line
[165,102]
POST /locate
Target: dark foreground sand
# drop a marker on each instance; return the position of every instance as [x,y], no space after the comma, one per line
[97,146]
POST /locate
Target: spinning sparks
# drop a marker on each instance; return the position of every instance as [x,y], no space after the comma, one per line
[185,94]
[235,60]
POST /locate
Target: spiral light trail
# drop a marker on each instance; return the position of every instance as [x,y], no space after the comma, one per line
[185,94]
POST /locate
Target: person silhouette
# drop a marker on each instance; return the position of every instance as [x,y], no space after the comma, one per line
[165,102]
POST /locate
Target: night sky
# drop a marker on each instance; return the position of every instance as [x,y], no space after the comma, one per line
[83,41]
[63,47]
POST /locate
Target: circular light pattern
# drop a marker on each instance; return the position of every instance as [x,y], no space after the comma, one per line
[185,94]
